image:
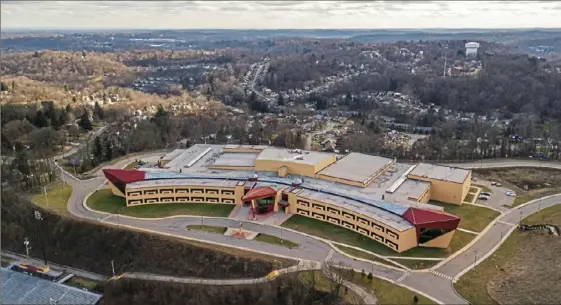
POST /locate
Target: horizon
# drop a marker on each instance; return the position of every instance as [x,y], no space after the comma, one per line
[279,15]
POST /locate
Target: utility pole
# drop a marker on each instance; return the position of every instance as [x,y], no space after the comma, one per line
[113,268]
[39,219]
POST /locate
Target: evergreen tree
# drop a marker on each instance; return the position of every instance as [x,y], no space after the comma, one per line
[40,120]
[280,101]
[98,150]
[98,111]
[3,87]
[108,150]
[85,122]
[68,108]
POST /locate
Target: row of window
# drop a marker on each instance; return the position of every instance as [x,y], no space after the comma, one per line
[351,226]
[349,216]
[180,200]
[180,191]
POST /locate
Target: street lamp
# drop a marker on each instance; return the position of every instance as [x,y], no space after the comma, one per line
[475,261]
[37,215]
[27,247]
[520,220]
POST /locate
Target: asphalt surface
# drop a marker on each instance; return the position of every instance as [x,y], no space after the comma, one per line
[436,285]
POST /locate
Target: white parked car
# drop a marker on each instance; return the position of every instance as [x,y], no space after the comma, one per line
[483,197]
[510,193]
[498,184]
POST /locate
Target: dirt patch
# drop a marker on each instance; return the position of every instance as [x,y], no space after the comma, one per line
[532,275]
[531,177]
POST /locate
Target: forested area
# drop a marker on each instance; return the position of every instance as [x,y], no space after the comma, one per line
[89,246]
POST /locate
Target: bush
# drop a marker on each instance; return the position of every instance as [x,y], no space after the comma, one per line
[370,276]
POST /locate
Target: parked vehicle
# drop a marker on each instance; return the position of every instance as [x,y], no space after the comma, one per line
[498,184]
[485,194]
[510,193]
[493,183]
[483,197]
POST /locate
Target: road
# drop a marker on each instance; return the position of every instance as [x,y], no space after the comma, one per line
[435,284]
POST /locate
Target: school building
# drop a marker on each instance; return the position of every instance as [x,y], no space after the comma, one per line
[374,196]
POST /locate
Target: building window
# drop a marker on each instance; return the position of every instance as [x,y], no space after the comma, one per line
[134,193]
[225,192]
[226,200]
[392,244]
[197,191]
[363,231]
[197,199]
[348,216]
[392,234]
[151,200]
[348,225]
[167,199]
[363,221]
[182,199]
[304,203]
[319,207]
[151,192]
[133,202]
[302,212]
[318,216]
[378,227]
[182,191]
[211,191]
[377,237]
[333,220]
[166,191]
[212,200]
[334,211]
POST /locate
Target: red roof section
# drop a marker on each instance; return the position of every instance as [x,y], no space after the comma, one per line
[123,175]
[259,193]
[425,217]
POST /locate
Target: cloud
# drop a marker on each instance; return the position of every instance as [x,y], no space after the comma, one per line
[280,14]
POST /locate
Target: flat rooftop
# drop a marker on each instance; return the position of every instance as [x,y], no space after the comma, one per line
[438,172]
[412,188]
[285,154]
[19,288]
[174,154]
[235,159]
[195,153]
[182,182]
[356,167]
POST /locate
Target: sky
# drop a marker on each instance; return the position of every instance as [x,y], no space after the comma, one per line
[279,14]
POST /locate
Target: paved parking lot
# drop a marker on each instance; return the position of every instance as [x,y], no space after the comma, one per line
[498,199]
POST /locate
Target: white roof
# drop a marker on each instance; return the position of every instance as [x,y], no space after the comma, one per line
[288,155]
[356,167]
[235,159]
[472,45]
[439,172]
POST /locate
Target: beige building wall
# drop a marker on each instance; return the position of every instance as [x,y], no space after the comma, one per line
[179,194]
[378,231]
[425,197]
[243,149]
[292,168]
[445,191]
[115,190]
[466,186]
[237,168]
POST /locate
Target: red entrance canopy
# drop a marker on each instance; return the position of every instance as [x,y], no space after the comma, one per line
[430,219]
[259,193]
[124,176]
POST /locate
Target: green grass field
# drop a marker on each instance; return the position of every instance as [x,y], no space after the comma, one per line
[322,283]
[473,218]
[416,264]
[81,282]
[469,197]
[57,198]
[105,201]
[473,285]
[365,255]
[270,239]
[390,293]
[341,235]
[210,229]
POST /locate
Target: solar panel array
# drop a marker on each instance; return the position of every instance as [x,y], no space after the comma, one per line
[19,288]
[384,205]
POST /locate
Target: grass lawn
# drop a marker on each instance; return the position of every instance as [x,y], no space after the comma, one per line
[416,264]
[472,189]
[365,255]
[81,282]
[473,285]
[483,188]
[533,194]
[389,293]
[469,197]
[210,229]
[5,261]
[341,235]
[322,283]
[473,218]
[270,239]
[57,197]
[104,200]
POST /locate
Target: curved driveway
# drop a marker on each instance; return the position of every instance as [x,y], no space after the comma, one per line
[435,284]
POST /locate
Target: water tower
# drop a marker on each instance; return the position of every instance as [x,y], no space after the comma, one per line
[471,49]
